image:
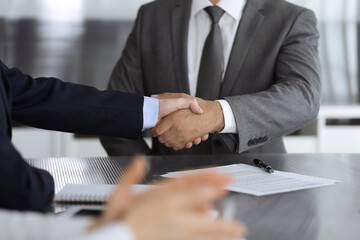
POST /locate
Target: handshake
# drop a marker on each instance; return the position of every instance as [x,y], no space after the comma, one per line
[185,121]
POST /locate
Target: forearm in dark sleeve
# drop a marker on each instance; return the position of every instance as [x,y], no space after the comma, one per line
[22,187]
[49,103]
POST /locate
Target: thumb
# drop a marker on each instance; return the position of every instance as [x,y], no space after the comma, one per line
[167,106]
[133,175]
[191,103]
[135,172]
[122,196]
[195,107]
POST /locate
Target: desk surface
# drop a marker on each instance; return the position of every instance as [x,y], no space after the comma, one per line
[322,213]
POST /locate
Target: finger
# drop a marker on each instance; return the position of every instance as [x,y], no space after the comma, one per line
[195,197]
[195,107]
[170,105]
[178,147]
[177,143]
[173,188]
[205,209]
[197,141]
[163,126]
[133,174]
[169,138]
[220,229]
[191,103]
[191,192]
[204,176]
[173,139]
[205,137]
[197,190]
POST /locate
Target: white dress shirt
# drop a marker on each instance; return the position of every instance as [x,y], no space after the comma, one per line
[33,226]
[199,28]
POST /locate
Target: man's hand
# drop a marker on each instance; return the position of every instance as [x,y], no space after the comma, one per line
[169,105]
[182,127]
[194,106]
[175,210]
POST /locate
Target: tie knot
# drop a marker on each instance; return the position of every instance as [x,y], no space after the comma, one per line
[215,13]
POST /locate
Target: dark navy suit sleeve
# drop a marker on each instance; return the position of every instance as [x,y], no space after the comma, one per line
[49,103]
[22,187]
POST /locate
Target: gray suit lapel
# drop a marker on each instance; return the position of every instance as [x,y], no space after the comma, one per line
[180,27]
[251,21]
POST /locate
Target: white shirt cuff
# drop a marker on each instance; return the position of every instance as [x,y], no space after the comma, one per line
[229,119]
[150,112]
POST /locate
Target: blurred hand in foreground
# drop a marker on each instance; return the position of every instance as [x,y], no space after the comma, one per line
[175,210]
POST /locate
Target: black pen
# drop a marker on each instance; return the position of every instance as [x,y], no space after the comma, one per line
[261,164]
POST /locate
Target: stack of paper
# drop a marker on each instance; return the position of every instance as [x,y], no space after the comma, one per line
[255,181]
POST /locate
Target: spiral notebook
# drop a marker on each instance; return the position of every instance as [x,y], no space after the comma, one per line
[91,192]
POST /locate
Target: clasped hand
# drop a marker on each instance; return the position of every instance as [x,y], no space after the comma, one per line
[184,127]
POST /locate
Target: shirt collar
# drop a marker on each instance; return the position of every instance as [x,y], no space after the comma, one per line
[232,7]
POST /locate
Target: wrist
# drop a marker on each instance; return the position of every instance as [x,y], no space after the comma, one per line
[219,117]
[214,114]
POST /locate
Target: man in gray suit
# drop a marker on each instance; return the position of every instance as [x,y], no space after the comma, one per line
[265,52]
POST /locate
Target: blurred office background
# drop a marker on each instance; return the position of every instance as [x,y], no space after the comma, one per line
[81,40]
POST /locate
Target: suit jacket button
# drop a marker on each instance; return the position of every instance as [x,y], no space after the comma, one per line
[250,143]
[217,143]
[265,139]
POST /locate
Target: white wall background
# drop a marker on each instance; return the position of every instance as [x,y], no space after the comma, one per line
[127,9]
[70,9]
[334,38]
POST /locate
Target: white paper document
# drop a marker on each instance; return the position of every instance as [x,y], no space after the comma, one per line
[255,181]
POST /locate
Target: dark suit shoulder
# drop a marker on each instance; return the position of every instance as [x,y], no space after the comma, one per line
[161,5]
[281,7]
[280,14]
[156,10]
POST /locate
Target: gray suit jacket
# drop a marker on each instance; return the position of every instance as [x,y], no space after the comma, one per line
[272,81]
